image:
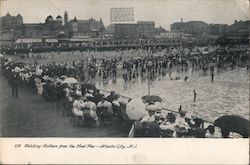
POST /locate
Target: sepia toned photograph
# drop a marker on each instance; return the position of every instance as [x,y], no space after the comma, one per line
[124,68]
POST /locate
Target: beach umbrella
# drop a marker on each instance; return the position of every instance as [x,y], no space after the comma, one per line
[136,109]
[151,98]
[70,80]
[231,123]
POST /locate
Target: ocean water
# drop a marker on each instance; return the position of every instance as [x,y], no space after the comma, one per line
[227,95]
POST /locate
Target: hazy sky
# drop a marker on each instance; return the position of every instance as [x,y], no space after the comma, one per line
[163,12]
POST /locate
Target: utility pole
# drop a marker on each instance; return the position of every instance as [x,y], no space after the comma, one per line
[149,74]
[149,82]
[52,56]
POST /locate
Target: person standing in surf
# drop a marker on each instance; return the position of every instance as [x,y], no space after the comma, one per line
[195,94]
[212,74]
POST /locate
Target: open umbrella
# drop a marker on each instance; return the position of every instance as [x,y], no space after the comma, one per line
[151,98]
[70,80]
[136,109]
[233,123]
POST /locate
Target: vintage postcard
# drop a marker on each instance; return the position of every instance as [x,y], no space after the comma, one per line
[124,81]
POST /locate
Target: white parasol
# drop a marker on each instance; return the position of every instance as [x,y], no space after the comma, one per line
[70,80]
[136,109]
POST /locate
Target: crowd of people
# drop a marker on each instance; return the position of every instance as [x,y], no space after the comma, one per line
[16,48]
[68,82]
[69,45]
[80,99]
[174,124]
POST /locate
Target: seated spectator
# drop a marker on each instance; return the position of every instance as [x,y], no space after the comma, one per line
[106,104]
[77,105]
[182,126]
[181,119]
[210,132]
[151,127]
[97,96]
[116,105]
[198,123]
[111,97]
[159,118]
[168,127]
[169,123]
[150,117]
[92,109]
[104,111]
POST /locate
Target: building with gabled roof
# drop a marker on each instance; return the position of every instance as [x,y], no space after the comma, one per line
[8,21]
[90,28]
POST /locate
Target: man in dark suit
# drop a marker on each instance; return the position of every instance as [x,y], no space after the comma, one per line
[15,79]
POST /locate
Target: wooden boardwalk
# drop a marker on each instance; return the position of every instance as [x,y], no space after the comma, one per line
[31,115]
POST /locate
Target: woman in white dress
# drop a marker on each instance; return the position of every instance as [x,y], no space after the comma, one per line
[92,107]
[77,105]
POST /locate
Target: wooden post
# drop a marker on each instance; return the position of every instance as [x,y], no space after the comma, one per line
[148,82]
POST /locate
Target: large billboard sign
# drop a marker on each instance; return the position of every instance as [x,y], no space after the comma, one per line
[121,14]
